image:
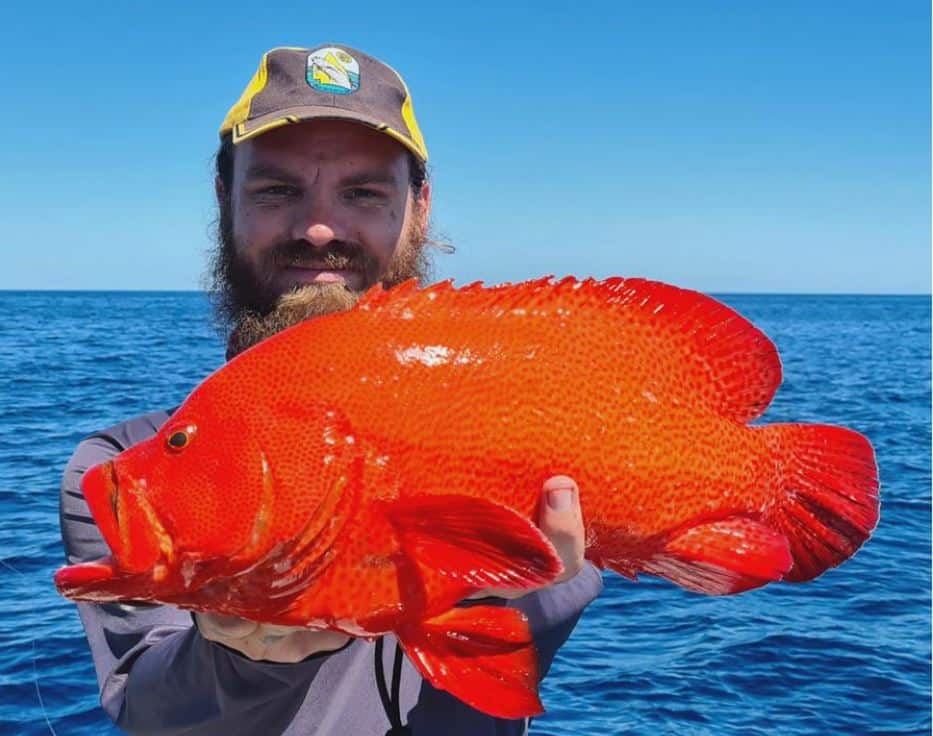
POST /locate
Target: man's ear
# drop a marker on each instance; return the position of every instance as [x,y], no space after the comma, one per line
[424,210]
[219,190]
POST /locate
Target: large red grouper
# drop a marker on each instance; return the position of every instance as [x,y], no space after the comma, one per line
[364,471]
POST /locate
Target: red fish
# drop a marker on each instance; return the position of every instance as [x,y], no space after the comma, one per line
[366,470]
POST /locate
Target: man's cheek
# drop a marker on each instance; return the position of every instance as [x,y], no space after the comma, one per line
[254,240]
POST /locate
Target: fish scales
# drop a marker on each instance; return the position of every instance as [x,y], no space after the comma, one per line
[467,388]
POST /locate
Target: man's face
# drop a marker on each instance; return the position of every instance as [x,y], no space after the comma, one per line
[326,205]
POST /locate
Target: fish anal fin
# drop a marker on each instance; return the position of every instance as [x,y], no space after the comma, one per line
[722,557]
[476,542]
[483,655]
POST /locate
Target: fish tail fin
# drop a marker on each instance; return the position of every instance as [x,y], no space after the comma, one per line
[828,507]
[483,655]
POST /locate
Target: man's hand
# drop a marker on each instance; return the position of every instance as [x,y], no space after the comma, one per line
[265,641]
[561,520]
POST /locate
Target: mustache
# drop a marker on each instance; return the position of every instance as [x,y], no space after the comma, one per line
[337,255]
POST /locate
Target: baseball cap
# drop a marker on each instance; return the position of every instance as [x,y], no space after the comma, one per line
[292,85]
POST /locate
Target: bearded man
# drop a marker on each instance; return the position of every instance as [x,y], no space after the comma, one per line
[322,192]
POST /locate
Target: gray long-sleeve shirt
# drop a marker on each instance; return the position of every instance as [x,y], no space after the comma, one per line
[158,675]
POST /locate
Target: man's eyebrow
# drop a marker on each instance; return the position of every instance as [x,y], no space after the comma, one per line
[267,171]
[368,177]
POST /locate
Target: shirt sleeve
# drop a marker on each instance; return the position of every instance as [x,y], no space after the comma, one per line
[156,673]
[554,611]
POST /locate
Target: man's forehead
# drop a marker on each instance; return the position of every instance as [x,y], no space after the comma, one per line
[322,141]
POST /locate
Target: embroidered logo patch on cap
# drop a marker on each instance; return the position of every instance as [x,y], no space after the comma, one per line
[333,70]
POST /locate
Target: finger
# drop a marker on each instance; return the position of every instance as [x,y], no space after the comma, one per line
[561,520]
[559,510]
[300,644]
[279,630]
[217,627]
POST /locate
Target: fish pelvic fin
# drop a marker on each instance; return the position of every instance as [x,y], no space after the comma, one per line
[483,655]
[475,542]
[722,557]
[828,501]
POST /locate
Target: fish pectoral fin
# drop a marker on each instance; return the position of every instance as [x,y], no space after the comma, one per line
[723,557]
[474,541]
[483,655]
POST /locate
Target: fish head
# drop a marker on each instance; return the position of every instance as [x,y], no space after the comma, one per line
[191,492]
[224,483]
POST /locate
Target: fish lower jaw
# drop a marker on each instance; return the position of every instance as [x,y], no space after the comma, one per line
[76,577]
[100,581]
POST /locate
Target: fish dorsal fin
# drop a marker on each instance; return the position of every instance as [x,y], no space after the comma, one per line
[727,363]
[710,354]
[376,296]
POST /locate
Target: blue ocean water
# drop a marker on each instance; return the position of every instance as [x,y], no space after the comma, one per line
[847,653]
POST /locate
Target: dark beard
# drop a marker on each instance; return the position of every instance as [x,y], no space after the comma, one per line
[249,310]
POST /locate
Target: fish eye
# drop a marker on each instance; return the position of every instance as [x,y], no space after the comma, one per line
[181,438]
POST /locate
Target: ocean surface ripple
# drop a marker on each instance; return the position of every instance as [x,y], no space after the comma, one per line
[847,653]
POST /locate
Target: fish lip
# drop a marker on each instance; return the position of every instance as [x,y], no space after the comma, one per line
[100,486]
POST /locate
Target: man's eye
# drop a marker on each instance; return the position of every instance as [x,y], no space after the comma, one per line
[363,194]
[278,190]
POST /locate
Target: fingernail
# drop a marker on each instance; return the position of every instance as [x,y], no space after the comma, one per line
[560,499]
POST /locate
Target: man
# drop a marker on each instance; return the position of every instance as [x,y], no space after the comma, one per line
[322,192]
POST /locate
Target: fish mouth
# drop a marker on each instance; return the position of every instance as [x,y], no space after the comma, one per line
[141,549]
[101,487]
[92,580]
[124,517]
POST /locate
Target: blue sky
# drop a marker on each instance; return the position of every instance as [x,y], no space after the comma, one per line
[723,146]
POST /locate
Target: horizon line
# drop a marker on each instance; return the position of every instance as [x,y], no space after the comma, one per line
[715,292]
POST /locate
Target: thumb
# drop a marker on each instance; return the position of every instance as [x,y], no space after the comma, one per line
[561,521]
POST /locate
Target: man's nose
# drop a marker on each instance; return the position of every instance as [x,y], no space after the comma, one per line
[315,222]
[319,234]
